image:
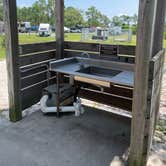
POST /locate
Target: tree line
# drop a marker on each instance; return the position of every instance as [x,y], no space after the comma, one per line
[1,10]
[43,11]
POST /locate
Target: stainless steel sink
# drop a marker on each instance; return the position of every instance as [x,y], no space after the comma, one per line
[97,71]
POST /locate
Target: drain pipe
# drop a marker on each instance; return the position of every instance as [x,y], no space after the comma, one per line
[77,108]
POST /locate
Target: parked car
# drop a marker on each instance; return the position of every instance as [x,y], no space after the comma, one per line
[34,28]
[44,29]
[74,30]
[67,30]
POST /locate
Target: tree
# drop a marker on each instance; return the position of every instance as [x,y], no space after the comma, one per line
[1,10]
[116,21]
[51,11]
[23,14]
[73,17]
[104,20]
[126,19]
[93,16]
[135,19]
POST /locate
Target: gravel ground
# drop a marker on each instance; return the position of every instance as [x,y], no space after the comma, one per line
[158,153]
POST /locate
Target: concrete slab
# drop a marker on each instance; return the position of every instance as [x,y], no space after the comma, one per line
[93,139]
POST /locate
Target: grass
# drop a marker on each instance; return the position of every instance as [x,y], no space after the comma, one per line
[34,38]
[2,53]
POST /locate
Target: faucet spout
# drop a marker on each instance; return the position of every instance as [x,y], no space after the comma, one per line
[85,53]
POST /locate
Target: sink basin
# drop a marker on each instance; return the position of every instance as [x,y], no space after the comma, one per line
[97,71]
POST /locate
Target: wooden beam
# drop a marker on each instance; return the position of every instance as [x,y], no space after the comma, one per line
[10,12]
[60,29]
[36,47]
[158,44]
[159,26]
[140,112]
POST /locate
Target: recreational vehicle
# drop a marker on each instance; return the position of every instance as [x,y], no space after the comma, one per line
[24,27]
[44,30]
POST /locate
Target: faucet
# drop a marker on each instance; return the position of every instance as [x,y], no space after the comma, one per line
[82,64]
[85,53]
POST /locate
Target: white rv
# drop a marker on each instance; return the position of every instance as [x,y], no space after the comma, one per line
[44,29]
[24,27]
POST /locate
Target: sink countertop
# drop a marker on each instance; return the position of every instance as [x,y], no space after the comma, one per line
[72,65]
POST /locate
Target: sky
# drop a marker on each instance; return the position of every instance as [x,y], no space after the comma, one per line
[107,7]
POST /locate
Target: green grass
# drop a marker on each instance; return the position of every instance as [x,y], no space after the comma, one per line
[33,38]
[2,53]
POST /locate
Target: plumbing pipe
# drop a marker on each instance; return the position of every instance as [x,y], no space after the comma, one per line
[46,109]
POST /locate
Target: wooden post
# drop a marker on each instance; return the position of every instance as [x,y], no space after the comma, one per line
[144,87]
[10,14]
[158,43]
[59,29]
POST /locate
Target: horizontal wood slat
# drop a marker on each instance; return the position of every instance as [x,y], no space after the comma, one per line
[156,63]
[82,46]
[32,95]
[34,79]
[108,50]
[110,100]
[36,47]
[31,70]
[37,58]
[126,50]
[114,89]
[69,53]
[92,47]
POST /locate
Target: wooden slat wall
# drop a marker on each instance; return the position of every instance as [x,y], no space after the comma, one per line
[35,58]
[32,95]
[108,99]
[37,47]
[82,46]
[104,51]
[34,68]
[126,50]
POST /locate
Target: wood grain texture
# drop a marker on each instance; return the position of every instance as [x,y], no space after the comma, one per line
[108,99]
[92,81]
[126,50]
[36,47]
[147,80]
[92,47]
[37,58]
[10,13]
[60,28]
[32,95]
[158,38]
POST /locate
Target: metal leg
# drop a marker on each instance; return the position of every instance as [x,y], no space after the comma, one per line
[78,107]
[58,95]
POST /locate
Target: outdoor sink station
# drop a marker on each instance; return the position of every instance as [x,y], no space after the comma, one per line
[125,77]
[94,71]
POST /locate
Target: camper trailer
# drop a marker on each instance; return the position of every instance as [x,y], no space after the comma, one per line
[44,29]
[24,27]
[101,34]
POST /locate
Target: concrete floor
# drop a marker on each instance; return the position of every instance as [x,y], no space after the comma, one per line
[93,139]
